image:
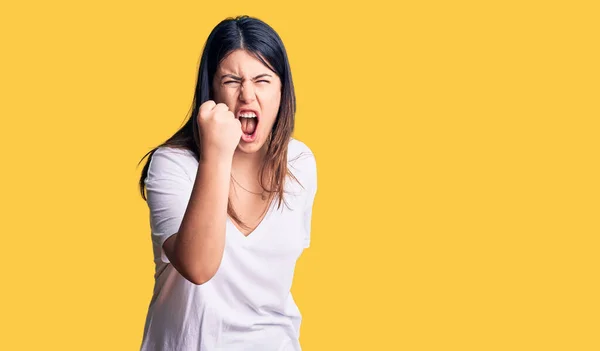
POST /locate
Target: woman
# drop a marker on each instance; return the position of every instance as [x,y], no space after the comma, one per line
[225,237]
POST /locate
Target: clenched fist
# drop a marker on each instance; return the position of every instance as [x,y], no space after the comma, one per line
[220,131]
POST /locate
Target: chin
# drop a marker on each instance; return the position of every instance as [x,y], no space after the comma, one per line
[250,147]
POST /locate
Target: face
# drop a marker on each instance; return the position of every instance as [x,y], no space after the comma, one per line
[247,86]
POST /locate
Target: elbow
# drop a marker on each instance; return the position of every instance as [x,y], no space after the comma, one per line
[199,269]
[200,280]
[201,277]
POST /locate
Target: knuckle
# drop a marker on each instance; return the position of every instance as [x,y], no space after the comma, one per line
[207,105]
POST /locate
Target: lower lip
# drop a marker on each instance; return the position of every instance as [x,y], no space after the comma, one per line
[250,138]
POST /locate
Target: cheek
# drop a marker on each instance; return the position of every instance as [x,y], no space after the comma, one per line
[227,98]
[272,102]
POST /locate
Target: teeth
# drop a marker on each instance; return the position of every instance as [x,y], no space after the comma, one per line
[248,115]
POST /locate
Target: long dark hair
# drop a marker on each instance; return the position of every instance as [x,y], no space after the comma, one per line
[260,40]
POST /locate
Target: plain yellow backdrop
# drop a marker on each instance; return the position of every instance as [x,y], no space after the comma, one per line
[457,150]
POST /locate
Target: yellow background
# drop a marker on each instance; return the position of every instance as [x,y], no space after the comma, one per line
[457,150]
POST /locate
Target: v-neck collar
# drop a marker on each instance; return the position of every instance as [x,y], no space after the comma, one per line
[259,228]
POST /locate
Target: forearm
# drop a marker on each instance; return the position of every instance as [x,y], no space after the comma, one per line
[198,248]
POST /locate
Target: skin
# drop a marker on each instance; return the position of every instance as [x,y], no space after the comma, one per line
[235,85]
[241,81]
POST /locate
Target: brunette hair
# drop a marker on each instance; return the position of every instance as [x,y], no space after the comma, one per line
[260,40]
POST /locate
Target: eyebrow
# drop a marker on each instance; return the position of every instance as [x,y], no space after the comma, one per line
[234,77]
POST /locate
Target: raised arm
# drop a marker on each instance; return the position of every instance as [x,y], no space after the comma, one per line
[197,249]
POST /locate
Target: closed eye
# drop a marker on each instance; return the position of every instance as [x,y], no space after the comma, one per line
[234,81]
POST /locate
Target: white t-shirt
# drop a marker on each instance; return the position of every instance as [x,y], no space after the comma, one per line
[247,305]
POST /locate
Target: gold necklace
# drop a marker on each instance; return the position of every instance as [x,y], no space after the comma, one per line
[263,196]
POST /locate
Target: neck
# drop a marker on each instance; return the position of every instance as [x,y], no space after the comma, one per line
[248,165]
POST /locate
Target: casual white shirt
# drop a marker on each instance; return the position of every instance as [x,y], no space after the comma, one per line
[247,305]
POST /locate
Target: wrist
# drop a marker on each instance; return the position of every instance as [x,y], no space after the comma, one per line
[216,159]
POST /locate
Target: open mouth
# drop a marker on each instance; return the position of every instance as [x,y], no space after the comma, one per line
[249,120]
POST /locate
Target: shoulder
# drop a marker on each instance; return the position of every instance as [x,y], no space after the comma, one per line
[181,154]
[302,161]
[169,162]
[299,154]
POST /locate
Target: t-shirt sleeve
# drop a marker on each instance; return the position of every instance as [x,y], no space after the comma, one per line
[311,171]
[168,190]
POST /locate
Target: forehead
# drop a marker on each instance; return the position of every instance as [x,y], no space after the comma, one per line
[242,63]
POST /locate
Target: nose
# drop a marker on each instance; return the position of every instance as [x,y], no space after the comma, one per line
[247,93]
